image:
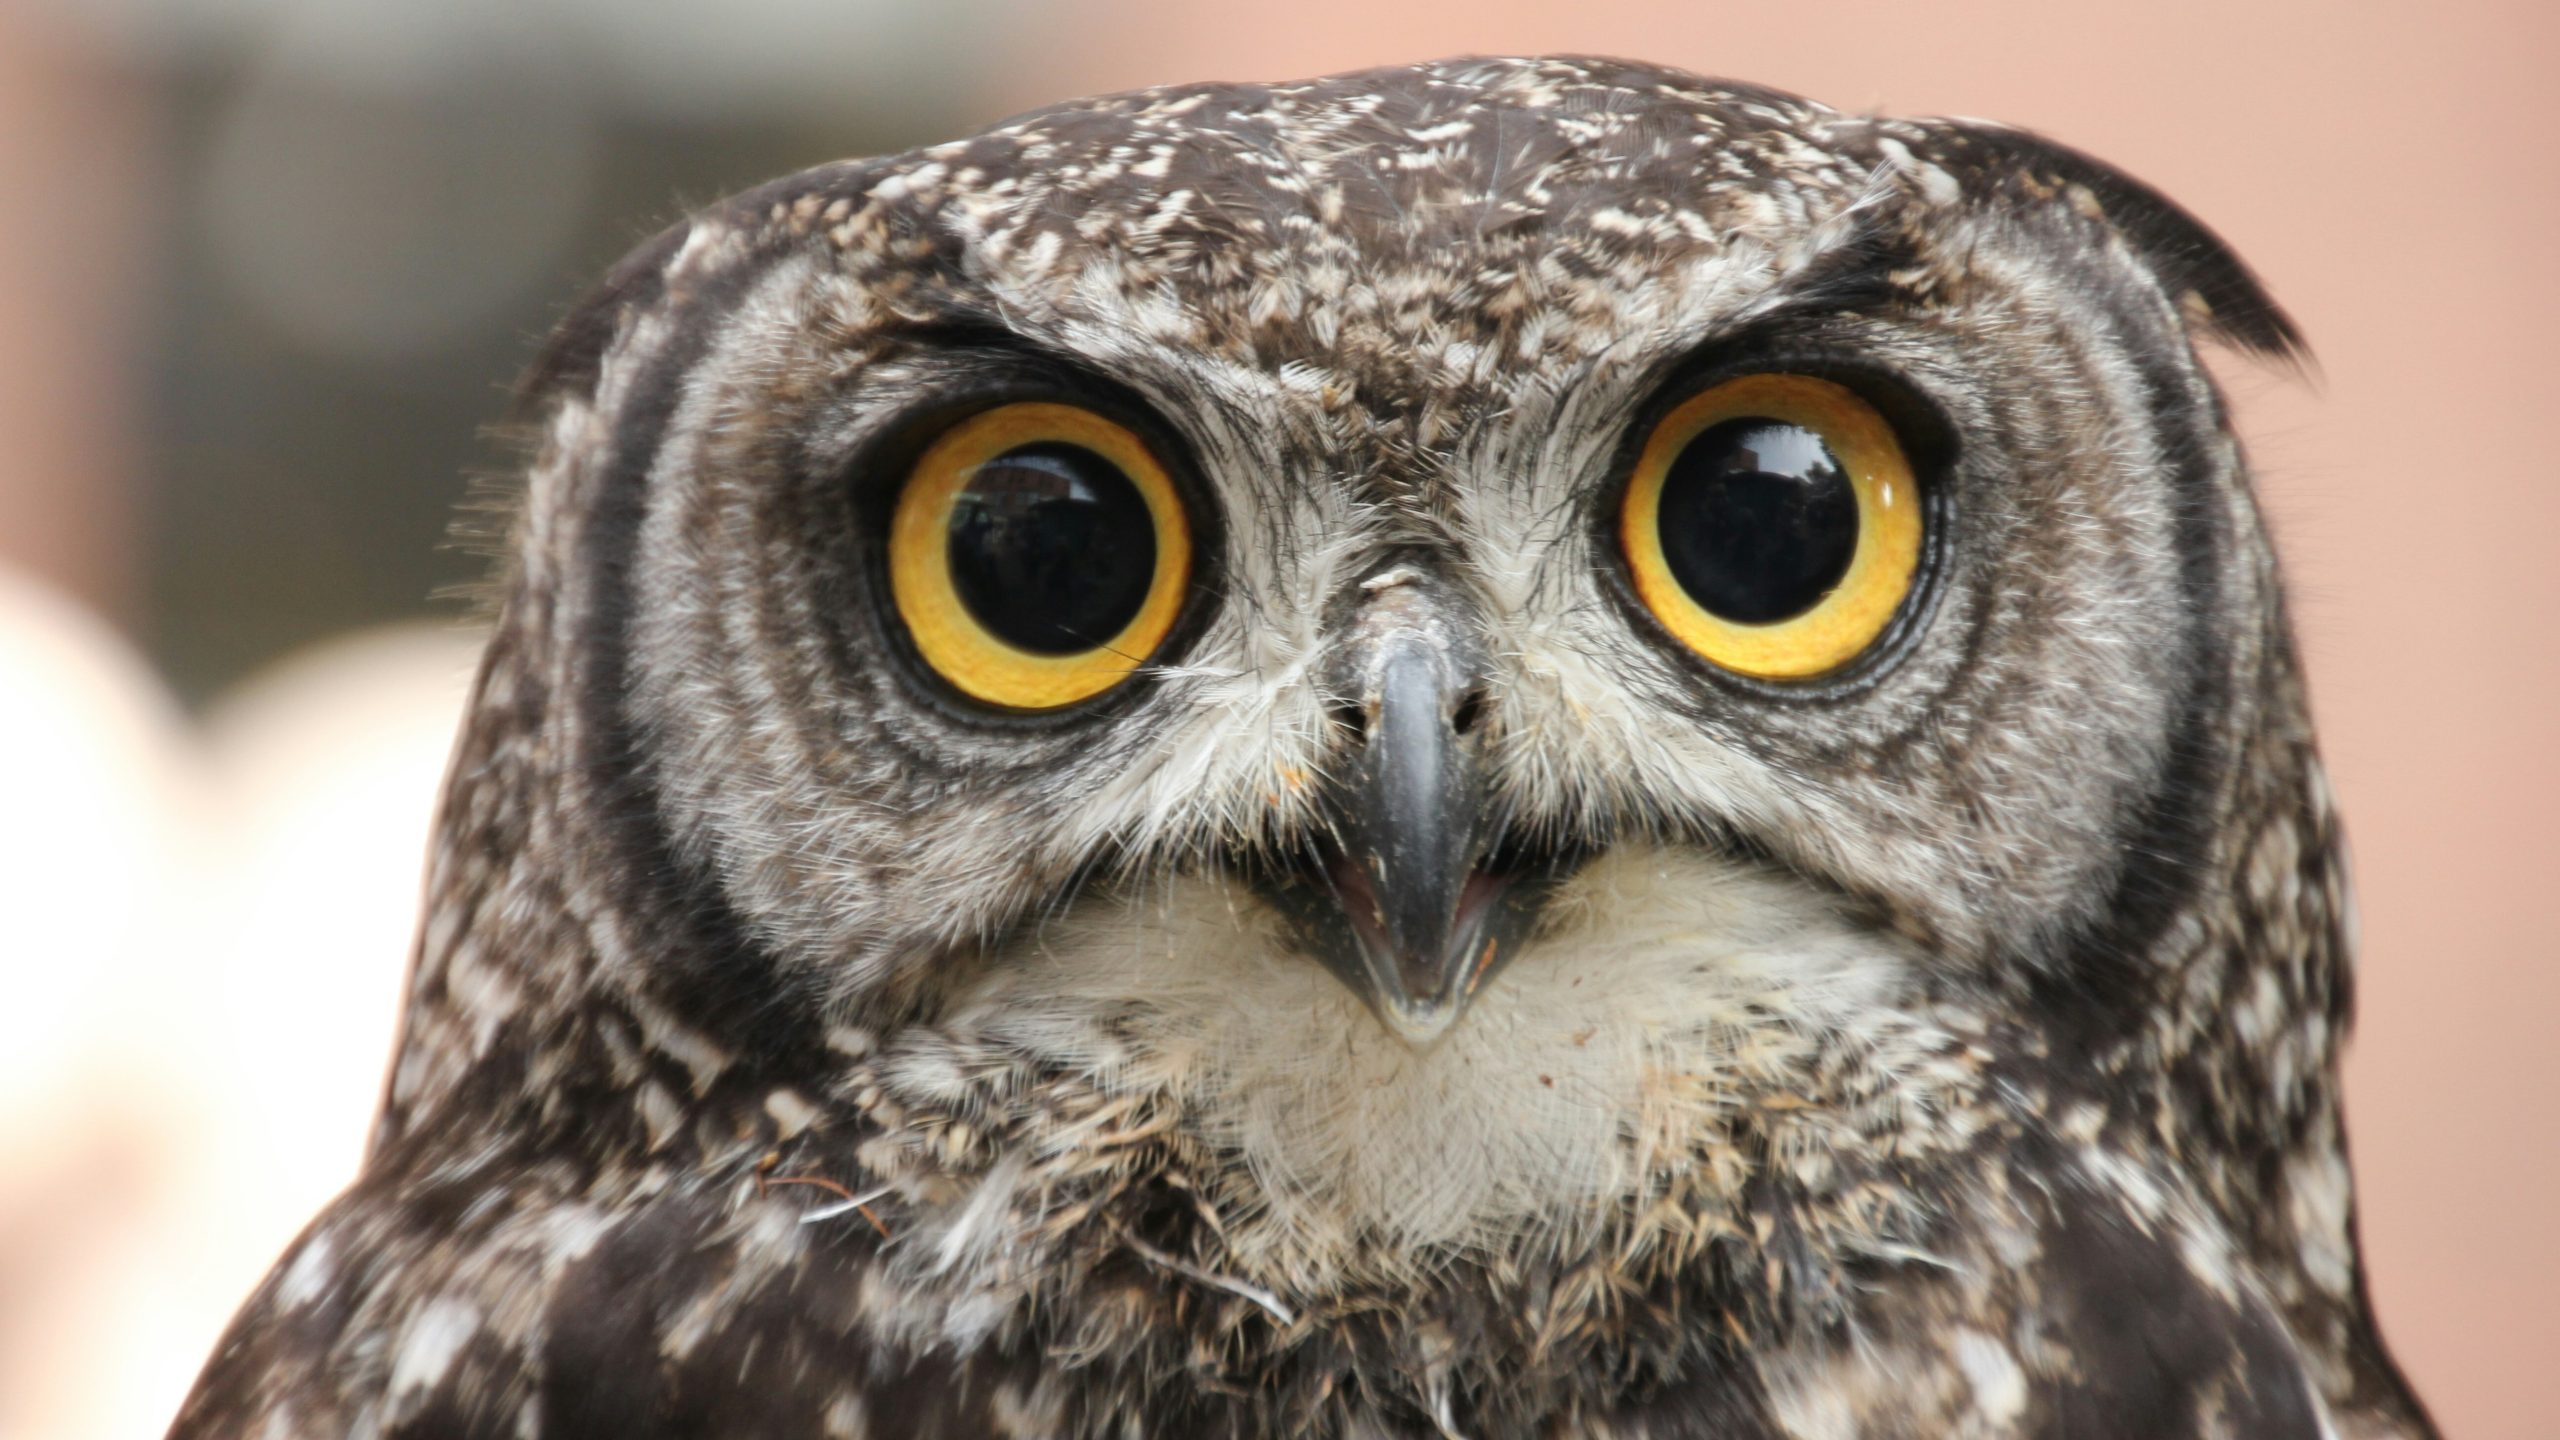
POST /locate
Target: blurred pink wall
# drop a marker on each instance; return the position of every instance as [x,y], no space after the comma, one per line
[2388,167]
[68,315]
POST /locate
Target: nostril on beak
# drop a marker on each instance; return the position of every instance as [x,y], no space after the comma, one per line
[1470,710]
[1352,719]
[1349,717]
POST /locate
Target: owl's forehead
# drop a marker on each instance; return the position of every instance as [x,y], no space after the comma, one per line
[1417,161]
[1538,207]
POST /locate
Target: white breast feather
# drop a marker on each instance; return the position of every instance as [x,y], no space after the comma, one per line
[1666,989]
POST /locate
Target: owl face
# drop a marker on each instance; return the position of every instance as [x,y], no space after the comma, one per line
[1395,611]
[1520,747]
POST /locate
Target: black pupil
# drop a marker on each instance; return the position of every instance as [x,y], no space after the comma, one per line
[1758,520]
[1052,548]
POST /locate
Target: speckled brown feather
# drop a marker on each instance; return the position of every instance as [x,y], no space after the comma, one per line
[2014,1113]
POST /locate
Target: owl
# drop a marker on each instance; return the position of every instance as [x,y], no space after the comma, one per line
[1507,748]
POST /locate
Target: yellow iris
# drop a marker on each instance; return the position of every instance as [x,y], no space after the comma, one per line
[974,637]
[1877,526]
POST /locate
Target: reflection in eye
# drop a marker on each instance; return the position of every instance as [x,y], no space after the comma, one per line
[1759,522]
[1052,548]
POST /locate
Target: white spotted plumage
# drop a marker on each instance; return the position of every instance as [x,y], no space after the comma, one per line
[1944,1047]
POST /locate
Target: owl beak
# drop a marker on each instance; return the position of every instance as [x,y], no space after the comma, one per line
[1412,892]
[1412,895]
[1412,824]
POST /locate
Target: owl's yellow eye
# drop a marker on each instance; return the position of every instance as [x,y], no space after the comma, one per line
[1038,555]
[1773,525]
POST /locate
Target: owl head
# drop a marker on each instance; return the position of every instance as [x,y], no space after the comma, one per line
[1461,623]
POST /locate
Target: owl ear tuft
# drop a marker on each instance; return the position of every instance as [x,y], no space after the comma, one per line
[572,358]
[2216,293]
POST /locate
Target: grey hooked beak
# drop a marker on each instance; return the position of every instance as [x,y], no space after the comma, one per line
[1413,823]
[1414,902]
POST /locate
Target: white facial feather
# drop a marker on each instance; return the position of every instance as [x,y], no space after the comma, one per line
[1668,991]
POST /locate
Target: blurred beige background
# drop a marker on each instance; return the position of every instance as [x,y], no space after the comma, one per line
[265,266]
